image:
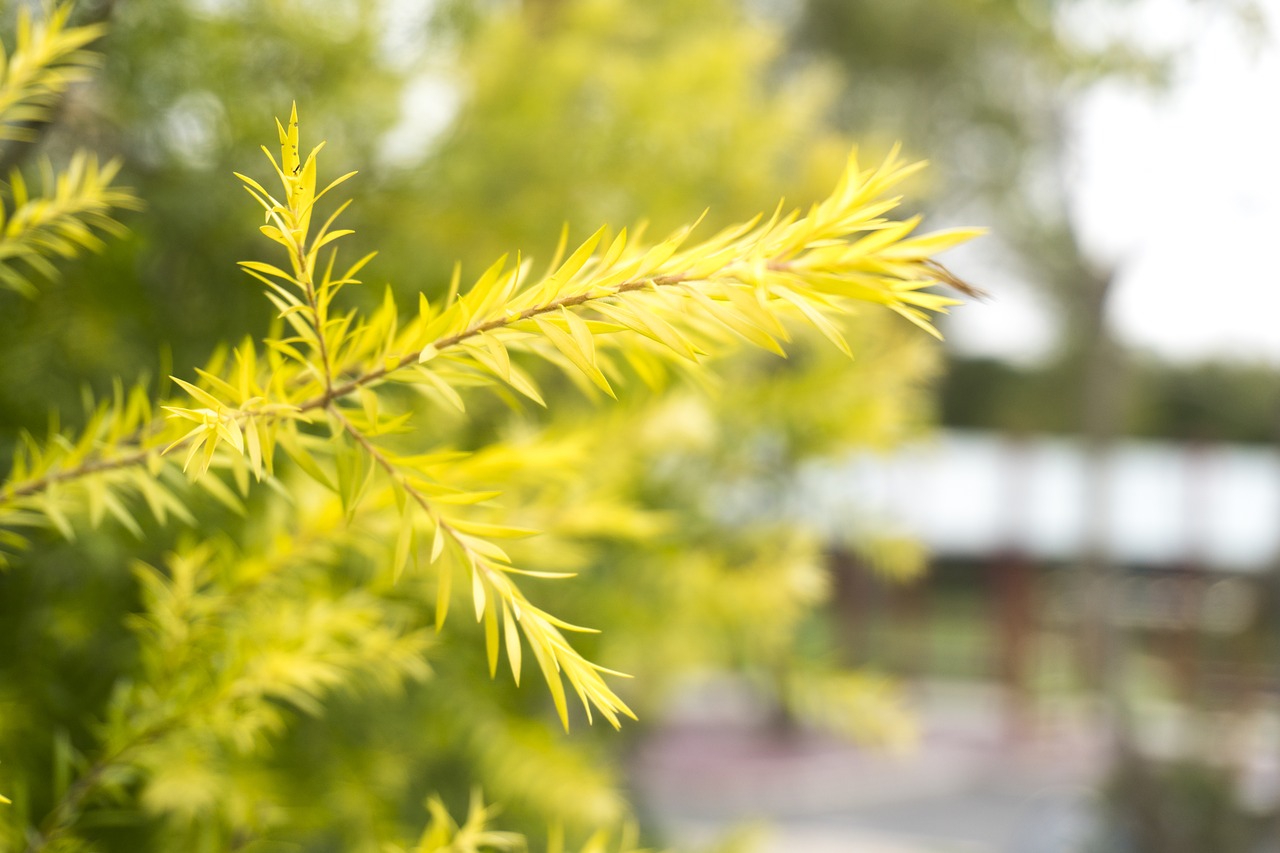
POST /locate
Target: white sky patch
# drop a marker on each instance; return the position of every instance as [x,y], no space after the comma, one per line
[1181,189]
[428,107]
[215,8]
[403,24]
[1015,323]
[1015,326]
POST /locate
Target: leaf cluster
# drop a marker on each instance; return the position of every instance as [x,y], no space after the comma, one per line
[49,55]
[334,430]
[60,221]
[668,302]
[444,835]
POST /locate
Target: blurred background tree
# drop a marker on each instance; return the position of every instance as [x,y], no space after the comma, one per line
[991,91]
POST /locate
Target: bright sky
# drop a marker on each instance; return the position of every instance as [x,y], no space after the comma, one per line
[1180,190]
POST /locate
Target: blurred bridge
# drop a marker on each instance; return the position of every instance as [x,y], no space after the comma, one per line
[971,495]
[992,645]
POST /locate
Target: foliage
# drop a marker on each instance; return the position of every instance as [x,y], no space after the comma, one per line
[1177,805]
[375,499]
[48,57]
[680,302]
[663,112]
[178,103]
[1195,402]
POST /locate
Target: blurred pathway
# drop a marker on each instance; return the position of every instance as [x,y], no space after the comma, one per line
[968,787]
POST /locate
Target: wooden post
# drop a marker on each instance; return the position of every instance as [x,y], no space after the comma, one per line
[851,598]
[1015,646]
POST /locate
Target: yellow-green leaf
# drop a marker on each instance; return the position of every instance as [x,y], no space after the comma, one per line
[568,346]
[512,637]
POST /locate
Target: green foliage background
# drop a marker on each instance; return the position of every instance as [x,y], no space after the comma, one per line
[334,729]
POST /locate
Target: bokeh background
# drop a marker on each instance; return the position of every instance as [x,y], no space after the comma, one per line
[1047,549]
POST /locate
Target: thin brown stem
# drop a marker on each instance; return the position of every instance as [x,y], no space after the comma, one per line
[60,819]
[453,340]
[337,392]
[386,464]
[93,466]
[332,392]
[420,499]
